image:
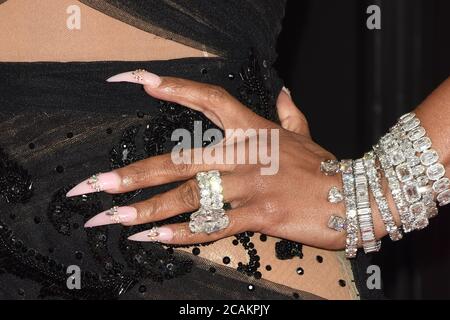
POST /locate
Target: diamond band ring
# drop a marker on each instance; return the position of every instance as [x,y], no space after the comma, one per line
[211,191]
[211,217]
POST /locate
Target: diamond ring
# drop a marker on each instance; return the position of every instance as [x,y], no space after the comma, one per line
[337,223]
[211,216]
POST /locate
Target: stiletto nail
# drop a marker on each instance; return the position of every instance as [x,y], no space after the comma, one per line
[138,76]
[112,216]
[96,183]
[161,234]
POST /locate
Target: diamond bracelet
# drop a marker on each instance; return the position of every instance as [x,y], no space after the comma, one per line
[364,212]
[352,227]
[435,171]
[373,178]
[415,178]
[411,174]
[387,154]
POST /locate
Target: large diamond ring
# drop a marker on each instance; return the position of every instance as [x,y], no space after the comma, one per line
[211,216]
[210,185]
[208,220]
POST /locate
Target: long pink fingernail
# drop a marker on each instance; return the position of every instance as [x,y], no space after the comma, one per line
[161,234]
[96,183]
[112,216]
[138,76]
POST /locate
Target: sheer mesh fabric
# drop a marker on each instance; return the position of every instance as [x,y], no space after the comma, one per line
[225,28]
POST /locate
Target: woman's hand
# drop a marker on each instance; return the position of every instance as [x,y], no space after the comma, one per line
[291,204]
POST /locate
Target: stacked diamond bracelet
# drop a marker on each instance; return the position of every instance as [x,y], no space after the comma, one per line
[373,177]
[415,179]
[348,180]
[369,242]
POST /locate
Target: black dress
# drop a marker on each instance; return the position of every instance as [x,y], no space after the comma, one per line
[61,121]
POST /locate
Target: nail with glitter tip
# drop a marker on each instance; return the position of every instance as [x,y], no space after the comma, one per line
[96,183]
[161,234]
[138,76]
[112,216]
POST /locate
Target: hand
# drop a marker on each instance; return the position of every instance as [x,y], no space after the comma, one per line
[290,204]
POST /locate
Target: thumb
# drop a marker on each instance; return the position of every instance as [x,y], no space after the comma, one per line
[291,117]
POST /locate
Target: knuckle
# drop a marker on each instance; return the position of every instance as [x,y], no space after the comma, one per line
[216,95]
[132,174]
[149,208]
[189,194]
[168,167]
[174,86]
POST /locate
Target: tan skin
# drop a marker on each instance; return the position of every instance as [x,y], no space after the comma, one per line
[262,204]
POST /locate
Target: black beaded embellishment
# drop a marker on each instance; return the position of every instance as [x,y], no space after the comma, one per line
[251,267]
[288,249]
[62,210]
[253,92]
[15,182]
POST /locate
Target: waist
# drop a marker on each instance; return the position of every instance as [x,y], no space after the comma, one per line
[82,85]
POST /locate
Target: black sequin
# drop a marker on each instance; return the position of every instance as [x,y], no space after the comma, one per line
[196,251]
[140,114]
[142,289]
[79,255]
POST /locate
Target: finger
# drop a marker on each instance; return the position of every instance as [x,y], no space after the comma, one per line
[240,221]
[213,101]
[184,198]
[145,173]
[291,117]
